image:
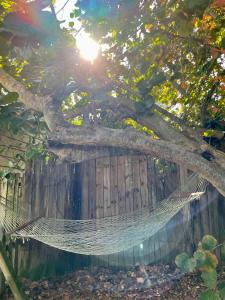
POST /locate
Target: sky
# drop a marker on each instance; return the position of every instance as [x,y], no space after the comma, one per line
[65,13]
[89,49]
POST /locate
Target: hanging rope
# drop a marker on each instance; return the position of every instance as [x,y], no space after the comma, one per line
[105,235]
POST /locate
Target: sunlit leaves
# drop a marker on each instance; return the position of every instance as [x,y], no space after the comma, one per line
[209,242]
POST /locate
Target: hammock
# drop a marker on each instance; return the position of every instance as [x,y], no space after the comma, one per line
[102,236]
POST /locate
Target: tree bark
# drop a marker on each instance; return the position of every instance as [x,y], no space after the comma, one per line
[30,100]
[132,140]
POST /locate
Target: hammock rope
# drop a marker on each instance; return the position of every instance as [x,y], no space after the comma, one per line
[106,235]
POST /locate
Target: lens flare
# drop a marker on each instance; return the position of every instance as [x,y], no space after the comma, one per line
[88,48]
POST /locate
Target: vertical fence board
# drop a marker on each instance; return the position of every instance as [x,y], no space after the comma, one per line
[121,197]
[113,258]
[128,255]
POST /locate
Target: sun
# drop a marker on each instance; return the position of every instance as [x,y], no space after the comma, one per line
[88,48]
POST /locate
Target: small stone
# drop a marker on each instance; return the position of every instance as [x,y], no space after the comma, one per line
[34,285]
[140,280]
[45,284]
[121,287]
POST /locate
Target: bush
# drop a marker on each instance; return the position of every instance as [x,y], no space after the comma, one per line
[205,261]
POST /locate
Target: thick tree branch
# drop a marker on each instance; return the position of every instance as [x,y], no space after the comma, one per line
[129,139]
[195,135]
[46,104]
[30,100]
[77,154]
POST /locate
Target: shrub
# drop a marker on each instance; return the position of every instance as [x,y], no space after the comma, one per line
[205,261]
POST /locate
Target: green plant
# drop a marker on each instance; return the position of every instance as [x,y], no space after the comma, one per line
[205,261]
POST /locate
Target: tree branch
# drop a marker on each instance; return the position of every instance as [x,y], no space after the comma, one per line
[188,130]
[136,141]
[30,100]
[77,154]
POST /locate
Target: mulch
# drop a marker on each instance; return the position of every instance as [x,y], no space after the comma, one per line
[144,282]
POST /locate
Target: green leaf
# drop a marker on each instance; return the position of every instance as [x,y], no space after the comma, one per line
[211,260]
[190,265]
[200,257]
[210,279]
[114,35]
[209,242]
[185,263]
[71,24]
[8,98]
[209,295]
[181,259]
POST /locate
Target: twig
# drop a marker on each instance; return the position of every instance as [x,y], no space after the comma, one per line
[62,7]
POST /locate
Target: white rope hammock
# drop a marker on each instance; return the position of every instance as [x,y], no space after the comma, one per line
[106,235]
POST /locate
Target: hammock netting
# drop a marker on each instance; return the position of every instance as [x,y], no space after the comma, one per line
[106,235]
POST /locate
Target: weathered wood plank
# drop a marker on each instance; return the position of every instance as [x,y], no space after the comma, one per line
[114,186]
[143,182]
[121,197]
[99,189]
[137,204]
[113,259]
[99,193]
[85,190]
[106,185]
[91,189]
[144,204]
[129,201]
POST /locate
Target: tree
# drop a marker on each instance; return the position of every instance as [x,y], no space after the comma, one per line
[157,88]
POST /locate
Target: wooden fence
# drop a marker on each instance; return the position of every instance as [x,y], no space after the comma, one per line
[116,185]
[106,187]
[12,148]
